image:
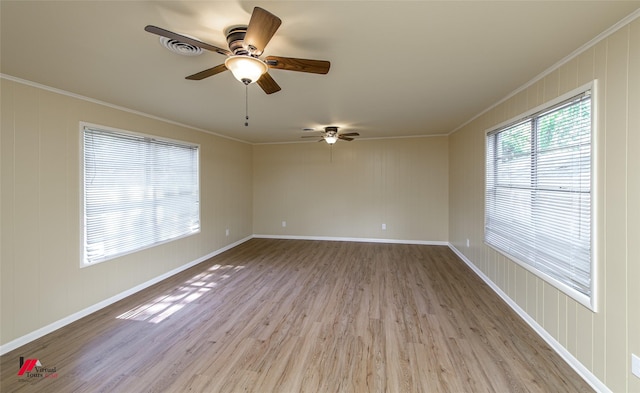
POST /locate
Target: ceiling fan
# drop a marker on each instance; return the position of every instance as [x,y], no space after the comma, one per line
[246,45]
[330,135]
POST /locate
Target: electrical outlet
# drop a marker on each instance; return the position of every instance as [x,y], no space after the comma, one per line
[284,224]
[467,243]
[226,232]
[635,365]
[384,227]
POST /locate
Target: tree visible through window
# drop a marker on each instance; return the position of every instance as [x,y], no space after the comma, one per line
[138,191]
[538,193]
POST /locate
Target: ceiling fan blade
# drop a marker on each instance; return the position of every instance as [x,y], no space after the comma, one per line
[350,134]
[178,37]
[345,138]
[267,84]
[311,136]
[207,73]
[262,26]
[300,65]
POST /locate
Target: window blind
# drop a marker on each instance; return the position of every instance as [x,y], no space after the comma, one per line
[538,192]
[138,192]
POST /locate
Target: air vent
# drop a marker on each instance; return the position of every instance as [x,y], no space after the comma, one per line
[180,48]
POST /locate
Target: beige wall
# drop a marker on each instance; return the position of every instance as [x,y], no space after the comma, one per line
[41,281]
[351,192]
[602,341]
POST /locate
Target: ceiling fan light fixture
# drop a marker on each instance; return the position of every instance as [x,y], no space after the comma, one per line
[246,69]
[331,139]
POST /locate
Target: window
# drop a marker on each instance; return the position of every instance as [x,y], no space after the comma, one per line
[139,191]
[539,199]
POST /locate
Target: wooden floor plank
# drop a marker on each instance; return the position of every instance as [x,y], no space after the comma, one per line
[303,316]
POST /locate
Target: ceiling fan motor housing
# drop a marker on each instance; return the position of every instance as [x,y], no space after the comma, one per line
[235,40]
[332,130]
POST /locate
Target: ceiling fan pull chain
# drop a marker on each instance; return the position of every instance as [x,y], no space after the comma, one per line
[246,108]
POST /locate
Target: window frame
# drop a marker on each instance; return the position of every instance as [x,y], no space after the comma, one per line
[83,235]
[591,302]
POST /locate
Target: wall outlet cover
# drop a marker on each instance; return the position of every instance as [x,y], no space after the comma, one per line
[635,365]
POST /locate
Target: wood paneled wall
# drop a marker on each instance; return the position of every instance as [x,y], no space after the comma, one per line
[353,188]
[602,341]
[41,282]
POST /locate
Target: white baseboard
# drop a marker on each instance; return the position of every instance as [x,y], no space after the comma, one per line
[353,239]
[20,341]
[584,372]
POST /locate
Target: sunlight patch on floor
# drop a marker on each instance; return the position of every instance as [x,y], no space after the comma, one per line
[166,305]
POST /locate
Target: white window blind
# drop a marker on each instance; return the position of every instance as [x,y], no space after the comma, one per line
[538,193]
[138,192]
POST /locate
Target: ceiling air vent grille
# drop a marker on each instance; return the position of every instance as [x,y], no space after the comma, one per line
[180,48]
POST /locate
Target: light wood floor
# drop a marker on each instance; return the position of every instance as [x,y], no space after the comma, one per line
[303,316]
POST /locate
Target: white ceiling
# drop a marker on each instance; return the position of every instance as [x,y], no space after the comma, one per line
[398,68]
